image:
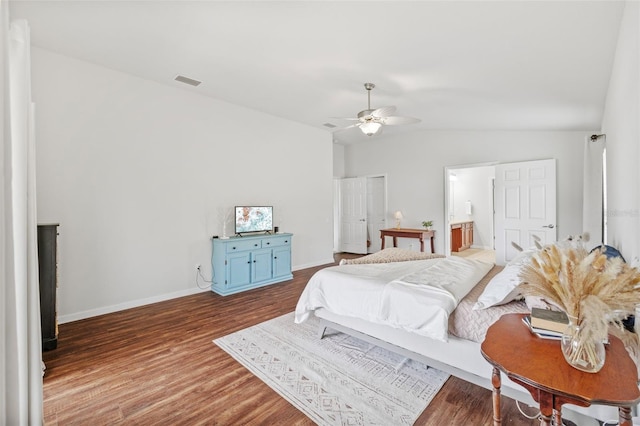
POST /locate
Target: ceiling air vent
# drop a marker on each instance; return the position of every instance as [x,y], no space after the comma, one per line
[329,125]
[187,80]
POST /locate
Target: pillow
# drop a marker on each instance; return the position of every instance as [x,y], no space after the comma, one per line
[503,288]
[540,302]
[609,251]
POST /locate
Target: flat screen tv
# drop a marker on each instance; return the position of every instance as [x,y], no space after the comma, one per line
[254,219]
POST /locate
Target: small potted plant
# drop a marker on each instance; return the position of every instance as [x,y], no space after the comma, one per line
[427,224]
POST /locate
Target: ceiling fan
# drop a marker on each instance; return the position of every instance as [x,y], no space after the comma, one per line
[370,121]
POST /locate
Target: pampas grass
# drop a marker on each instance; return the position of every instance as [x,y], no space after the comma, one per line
[594,290]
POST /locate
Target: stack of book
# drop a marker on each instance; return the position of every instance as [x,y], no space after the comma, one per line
[546,323]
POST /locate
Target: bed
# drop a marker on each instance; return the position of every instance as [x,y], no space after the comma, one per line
[395,303]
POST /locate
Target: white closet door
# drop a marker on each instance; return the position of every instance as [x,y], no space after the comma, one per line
[353,215]
[376,208]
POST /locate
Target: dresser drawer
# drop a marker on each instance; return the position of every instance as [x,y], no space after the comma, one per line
[276,242]
[243,245]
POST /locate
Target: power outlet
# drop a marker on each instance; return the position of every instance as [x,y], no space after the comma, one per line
[197,266]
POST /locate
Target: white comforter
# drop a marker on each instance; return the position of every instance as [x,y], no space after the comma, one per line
[415,296]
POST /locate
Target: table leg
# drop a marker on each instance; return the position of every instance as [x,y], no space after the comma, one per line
[557,417]
[433,249]
[546,420]
[624,416]
[395,241]
[495,381]
[422,245]
[547,408]
[382,244]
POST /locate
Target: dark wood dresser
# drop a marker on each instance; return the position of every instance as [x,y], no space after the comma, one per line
[48,272]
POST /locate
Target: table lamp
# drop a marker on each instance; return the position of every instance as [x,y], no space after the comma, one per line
[397,215]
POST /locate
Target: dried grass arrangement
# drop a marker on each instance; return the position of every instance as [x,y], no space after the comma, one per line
[595,291]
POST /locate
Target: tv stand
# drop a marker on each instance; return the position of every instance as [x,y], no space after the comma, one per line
[245,262]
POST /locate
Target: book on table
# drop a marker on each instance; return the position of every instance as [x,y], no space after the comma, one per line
[540,332]
[547,319]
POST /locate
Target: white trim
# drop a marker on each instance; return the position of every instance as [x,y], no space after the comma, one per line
[314,264]
[62,319]
[128,305]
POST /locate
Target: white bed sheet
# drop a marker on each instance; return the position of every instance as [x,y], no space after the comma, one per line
[415,296]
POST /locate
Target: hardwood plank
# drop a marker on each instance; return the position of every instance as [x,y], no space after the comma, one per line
[157,364]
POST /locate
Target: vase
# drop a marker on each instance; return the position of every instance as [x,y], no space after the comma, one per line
[581,351]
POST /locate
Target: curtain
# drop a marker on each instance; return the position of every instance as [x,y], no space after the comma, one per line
[593,202]
[20,336]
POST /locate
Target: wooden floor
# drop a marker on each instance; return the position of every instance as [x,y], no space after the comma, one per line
[157,365]
[479,254]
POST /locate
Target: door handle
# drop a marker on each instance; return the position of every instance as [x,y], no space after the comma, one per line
[550,226]
[363,220]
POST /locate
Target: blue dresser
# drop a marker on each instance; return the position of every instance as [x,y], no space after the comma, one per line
[243,263]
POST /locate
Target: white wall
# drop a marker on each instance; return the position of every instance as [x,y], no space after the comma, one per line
[138,174]
[620,124]
[338,160]
[414,164]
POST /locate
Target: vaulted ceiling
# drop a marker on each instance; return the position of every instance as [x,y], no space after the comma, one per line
[456,65]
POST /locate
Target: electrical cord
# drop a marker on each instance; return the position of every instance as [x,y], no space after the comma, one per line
[524,414]
[199,274]
[537,415]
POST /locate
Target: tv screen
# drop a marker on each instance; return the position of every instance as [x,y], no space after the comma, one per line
[254,219]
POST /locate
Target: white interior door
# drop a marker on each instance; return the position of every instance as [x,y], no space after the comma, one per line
[376,208]
[525,206]
[353,215]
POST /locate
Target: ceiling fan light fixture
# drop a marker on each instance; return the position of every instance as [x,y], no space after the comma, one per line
[370,121]
[370,128]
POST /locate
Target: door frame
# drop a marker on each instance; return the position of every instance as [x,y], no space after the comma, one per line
[448,198]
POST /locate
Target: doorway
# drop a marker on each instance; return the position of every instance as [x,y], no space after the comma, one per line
[505,202]
[469,203]
[360,210]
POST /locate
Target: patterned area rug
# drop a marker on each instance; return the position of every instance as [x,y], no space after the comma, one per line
[337,380]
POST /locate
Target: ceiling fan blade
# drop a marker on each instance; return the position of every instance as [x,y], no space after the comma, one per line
[397,120]
[346,128]
[383,111]
[346,118]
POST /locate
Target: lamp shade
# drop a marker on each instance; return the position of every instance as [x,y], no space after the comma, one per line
[370,128]
[398,215]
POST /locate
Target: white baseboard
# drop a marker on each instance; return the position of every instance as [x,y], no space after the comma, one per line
[155,299]
[128,305]
[314,264]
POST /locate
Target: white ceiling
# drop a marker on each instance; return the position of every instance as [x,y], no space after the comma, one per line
[504,65]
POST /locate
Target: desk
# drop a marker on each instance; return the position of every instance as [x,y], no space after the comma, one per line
[539,366]
[420,234]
